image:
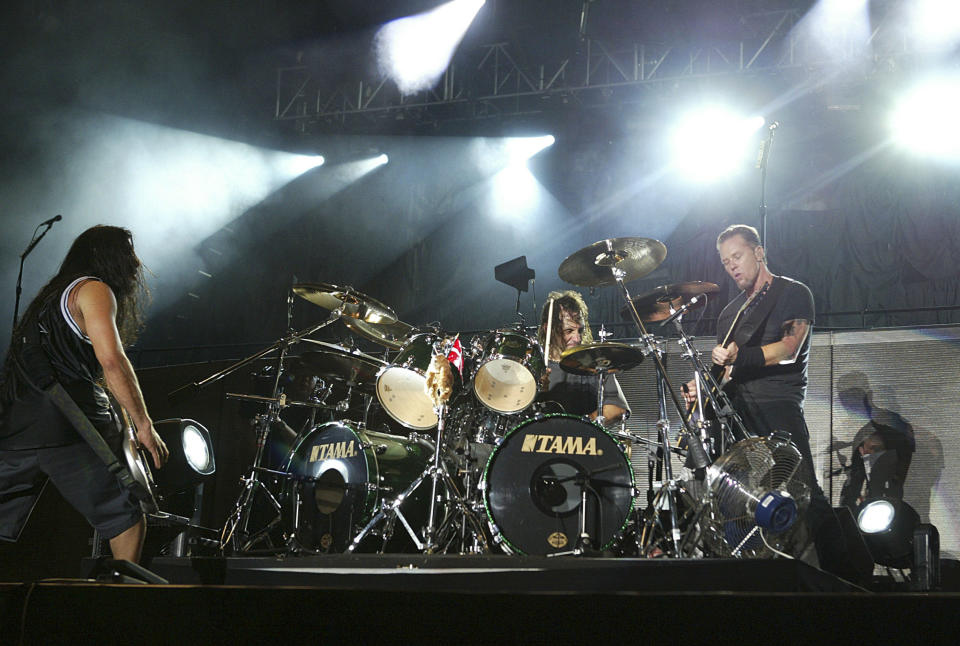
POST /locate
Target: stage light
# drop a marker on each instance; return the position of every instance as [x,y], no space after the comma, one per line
[876,516]
[520,149]
[887,525]
[382,159]
[197,448]
[300,164]
[191,455]
[925,120]
[934,24]
[714,142]
[414,51]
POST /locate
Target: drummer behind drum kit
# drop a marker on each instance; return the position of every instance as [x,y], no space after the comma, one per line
[477,463]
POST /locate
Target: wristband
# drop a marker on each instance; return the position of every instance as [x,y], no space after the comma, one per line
[749,357]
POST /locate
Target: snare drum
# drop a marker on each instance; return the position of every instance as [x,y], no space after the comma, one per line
[401,386]
[532,486]
[508,372]
[339,476]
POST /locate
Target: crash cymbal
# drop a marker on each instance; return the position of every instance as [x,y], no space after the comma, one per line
[591,266]
[659,303]
[354,304]
[353,368]
[591,358]
[391,335]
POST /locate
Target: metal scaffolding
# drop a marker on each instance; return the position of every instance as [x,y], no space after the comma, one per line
[490,83]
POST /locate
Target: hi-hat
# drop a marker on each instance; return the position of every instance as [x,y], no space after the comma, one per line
[391,335]
[593,266]
[658,304]
[350,302]
[591,358]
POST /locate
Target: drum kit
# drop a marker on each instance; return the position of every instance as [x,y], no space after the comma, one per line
[391,462]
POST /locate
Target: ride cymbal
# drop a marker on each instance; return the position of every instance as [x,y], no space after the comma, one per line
[352,303]
[592,266]
[353,368]
[591,358]
[659,303]
[391,335]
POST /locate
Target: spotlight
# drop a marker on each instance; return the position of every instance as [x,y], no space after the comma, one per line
[414,51]
[191,455]
[382,159]
[887,525]
[300,164]
[713,142]
[520,149]
[925,119]
[876,516]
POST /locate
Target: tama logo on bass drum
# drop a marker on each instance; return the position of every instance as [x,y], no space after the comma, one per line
[560,444]
[333,451]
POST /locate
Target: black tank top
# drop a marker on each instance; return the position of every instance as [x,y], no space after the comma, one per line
[31,421]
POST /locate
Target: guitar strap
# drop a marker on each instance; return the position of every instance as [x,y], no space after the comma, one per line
[52,389]
[758,314]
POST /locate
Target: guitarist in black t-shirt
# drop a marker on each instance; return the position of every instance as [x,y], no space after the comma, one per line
[763,345]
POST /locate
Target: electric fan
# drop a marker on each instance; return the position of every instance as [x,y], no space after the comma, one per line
[756,499]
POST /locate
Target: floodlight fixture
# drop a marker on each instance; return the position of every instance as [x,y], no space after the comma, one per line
[714,142]
[924,121]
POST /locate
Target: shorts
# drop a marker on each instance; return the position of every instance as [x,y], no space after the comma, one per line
[80,477]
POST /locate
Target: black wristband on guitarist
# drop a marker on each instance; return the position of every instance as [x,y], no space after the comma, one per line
[749,357]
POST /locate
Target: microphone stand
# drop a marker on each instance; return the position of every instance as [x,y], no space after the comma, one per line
[764,158]
[30,247]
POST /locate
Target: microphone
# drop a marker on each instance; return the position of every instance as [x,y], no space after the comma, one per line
[683,310]
[765,145]
[50,222]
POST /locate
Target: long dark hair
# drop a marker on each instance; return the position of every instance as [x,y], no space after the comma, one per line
[566,301]
[107,253]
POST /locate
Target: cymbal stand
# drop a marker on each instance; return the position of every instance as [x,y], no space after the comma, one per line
[237,527]
[707,386]
[664,387]
[436,472]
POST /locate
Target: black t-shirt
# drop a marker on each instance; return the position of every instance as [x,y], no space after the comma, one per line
[785,382]
[31,420]
[577,394]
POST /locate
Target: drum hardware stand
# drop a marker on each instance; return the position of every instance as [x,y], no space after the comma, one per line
[239,519]
[436,471]
[584,544]
[695,447]
[707,385]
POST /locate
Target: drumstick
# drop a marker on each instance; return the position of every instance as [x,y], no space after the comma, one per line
[549,327]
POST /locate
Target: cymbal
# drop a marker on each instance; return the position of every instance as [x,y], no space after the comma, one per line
[391,335]
[591,266]
[589,359]
[659,303]
[354,304]
[334,362]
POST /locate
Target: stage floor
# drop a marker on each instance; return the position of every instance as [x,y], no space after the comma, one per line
[498,574]
[360,599]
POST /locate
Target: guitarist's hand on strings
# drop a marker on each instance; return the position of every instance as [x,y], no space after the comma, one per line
[152,442]
[724,356]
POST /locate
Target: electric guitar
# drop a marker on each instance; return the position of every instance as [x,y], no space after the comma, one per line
[139,465]
[723,374]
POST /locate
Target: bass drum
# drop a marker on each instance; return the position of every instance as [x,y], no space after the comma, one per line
[339,477]
[532,486]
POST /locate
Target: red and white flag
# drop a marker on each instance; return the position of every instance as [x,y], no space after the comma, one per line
[455,355]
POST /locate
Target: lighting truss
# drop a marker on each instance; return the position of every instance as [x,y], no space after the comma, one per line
[490,83]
